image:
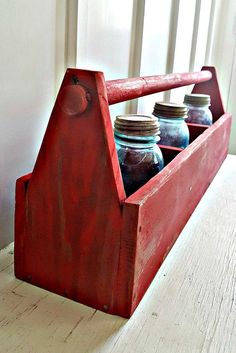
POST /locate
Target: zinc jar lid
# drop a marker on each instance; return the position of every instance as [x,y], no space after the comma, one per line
[136,125]
[170,110]
[197,99]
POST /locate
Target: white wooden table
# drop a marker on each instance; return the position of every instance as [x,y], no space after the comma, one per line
[189,307]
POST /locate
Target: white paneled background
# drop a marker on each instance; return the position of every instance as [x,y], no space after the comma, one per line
[148,37]
[27,83]
[171,36]
[104,38]
[155,46]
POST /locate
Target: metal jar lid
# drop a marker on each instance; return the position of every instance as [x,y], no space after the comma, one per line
[170,110]
[197,99]
[136,125]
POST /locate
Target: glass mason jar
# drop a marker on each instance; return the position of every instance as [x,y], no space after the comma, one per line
[173,128]
[198,108]
[139,156]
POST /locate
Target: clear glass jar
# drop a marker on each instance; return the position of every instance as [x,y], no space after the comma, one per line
[173,128]
[198,108]
[139,156]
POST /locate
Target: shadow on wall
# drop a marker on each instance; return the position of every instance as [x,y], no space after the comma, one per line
[22,132]
[27,80]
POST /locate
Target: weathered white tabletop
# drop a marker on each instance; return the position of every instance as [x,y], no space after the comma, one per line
[190,306]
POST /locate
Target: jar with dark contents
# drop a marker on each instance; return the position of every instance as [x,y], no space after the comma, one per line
[198,108]
[173,128]
[140,158]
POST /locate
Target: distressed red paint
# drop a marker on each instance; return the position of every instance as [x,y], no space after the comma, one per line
[76,233]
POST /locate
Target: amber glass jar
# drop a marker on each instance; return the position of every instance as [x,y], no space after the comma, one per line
[140,158]
[173,128]
[198,108]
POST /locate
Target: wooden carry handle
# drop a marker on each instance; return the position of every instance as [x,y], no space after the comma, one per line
[76,233]
[130,88]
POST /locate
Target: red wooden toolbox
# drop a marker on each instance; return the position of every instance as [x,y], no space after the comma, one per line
[76,233]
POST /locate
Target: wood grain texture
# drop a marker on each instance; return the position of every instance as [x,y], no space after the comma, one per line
[211,87]
[165,203]
[68,217]
[125,89]
[195,130]
[76,233]
[20,223]
[169,153]
[189,307]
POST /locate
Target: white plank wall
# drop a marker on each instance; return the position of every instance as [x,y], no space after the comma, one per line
[200,34]
[170,36]
[183,45]
[149,37]
[223,55]
[104,39]
[189,307]
[176,38]
[155,48]
[27,81]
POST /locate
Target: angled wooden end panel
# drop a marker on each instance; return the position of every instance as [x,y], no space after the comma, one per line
[126,270]
[20,224]
[211,87]
[72,204]
[167,201]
